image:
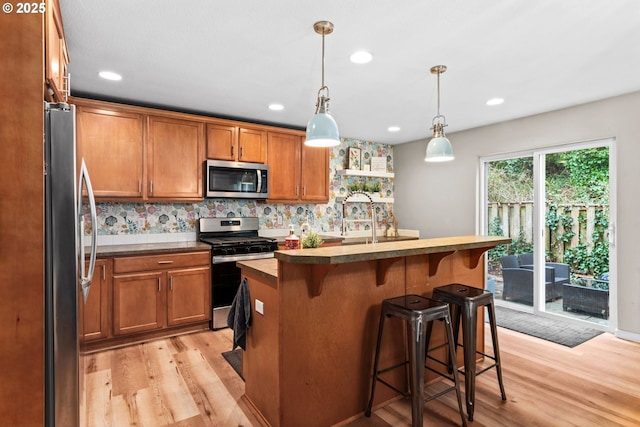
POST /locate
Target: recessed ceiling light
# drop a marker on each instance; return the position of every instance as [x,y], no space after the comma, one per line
[393,128]
[276,107]
[494,101]
[110,75]
[361,57]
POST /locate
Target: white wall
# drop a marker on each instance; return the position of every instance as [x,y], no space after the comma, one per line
[440,199]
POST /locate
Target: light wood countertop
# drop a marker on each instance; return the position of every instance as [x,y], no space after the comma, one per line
[366,252]
[264,267]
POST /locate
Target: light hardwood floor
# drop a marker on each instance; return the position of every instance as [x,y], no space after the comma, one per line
[184,381]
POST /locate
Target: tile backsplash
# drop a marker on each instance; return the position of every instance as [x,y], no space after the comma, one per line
[149,222]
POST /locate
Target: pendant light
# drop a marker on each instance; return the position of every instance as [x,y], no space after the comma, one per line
[439,148]
[322,130]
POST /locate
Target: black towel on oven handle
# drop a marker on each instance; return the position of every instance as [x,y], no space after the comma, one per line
[239,318]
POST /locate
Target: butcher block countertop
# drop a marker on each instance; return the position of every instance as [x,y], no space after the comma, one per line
[366,252]
[106,251]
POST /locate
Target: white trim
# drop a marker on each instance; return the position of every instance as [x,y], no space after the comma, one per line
[626,335]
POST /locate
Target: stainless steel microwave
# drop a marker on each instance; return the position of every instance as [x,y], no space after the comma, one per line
[236,180]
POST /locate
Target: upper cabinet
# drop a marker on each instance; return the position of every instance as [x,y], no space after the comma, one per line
[57,56]
[174,158]
[142,154]
[297,173]
[111,141]
[236,143]
[135,156]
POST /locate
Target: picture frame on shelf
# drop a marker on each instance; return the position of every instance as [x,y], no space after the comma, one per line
[354,158]
[378,164]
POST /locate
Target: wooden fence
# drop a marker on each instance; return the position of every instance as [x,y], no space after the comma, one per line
[514,217]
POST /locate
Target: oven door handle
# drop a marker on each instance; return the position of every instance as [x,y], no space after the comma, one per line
[242,257]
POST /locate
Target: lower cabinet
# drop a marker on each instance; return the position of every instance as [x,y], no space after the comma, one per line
[93,314]
[148,296]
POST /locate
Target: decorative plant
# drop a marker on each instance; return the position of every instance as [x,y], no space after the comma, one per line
[374,187]
[354,186]
[312,240]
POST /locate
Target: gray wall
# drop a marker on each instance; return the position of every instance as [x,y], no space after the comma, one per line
[439,199]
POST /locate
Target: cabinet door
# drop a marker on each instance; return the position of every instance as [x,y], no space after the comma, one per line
[93,314]
[189,296]
[284,166]
[253,145]
[57,56]
[175,159]
[221,142]
[315,174]
[111,143]
[138,302]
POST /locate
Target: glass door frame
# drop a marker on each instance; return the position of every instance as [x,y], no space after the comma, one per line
[538,155]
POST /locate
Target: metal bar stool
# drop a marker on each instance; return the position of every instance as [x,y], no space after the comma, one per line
[464,302]
[418,312]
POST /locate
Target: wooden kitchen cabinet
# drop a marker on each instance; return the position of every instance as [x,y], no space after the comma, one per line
[134,156]
[56,53]
[236,143]
[156,292]
[111,141]
[297,173]
[138,302]
[189,296]
[93,313]
[174,158]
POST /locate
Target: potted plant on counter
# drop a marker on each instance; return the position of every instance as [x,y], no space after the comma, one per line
[311,240]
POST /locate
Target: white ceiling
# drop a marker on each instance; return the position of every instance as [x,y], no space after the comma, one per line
[234,58]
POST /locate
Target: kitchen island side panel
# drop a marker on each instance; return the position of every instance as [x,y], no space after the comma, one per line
[261,361]
[328,342]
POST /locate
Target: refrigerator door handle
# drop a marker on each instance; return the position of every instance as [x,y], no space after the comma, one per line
[85,280]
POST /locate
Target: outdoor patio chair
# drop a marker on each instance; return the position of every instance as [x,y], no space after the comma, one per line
[509,261]
[518,285]
[561,273]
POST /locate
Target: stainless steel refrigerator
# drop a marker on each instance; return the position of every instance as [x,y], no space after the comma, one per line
[65,274]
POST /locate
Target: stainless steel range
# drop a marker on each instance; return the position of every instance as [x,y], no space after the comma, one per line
[231,240]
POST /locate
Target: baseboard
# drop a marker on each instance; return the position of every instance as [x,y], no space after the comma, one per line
[629,336]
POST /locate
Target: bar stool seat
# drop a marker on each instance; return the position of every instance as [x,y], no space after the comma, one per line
[418,312]
[464,302]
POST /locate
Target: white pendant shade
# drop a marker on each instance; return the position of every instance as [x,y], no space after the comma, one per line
[439,150]
[322,131]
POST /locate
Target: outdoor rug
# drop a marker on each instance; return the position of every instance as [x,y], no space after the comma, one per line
[235,360]
[558,331]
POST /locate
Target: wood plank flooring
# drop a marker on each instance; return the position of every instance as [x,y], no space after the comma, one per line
[185,381]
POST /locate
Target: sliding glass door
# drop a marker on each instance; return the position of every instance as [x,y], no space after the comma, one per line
[558,207]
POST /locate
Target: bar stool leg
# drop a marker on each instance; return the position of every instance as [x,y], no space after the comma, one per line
[375,363]
[469,321]
[417,354]
[496,348]
[455,325]
[452,355]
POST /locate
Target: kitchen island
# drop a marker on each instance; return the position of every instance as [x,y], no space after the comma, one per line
[315,316]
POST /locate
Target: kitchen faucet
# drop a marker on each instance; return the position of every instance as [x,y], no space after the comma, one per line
[374,238]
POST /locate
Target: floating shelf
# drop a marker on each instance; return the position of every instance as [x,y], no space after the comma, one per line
[359,198]
[354,172]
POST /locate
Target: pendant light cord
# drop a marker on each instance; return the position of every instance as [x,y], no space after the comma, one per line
[323,33]
[439,93]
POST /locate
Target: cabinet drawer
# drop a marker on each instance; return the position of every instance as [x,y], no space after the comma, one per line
[156,262]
